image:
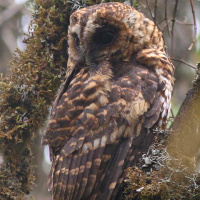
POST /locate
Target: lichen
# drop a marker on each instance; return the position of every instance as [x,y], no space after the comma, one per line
[163,177]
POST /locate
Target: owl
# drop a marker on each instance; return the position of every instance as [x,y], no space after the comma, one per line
[116,92]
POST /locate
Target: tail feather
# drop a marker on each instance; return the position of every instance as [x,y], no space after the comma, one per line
[66,165]
[115,166]
[94,171]
[108,151]
[72,176]
[83,160]
[86,172]
[132,157]
[62,170]
[77,170]
[57,184]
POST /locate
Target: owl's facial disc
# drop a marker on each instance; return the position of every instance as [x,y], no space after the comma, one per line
[95,37]
[111,32]
[96,44]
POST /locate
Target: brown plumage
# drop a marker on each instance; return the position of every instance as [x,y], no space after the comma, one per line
[117,90]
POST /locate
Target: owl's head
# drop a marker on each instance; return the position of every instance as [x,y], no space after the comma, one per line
[110,31]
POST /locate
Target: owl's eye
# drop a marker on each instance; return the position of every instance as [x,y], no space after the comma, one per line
[106,37]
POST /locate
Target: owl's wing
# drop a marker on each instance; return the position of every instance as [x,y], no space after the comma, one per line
[140,89]
[101,125]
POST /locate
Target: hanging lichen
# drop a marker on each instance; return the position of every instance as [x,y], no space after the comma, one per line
[160,176]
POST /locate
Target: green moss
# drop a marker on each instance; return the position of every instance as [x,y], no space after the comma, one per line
[27,93]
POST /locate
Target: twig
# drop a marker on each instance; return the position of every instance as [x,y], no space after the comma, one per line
[166,18]
[194,19]
[167,24]
[183,23]
[9,39]
[160,22]
[155,11]
[10,12]
[172,112]
[172,31]
[147,2]
[195,32]
[182,61]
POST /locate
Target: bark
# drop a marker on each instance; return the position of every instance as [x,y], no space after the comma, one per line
[185,129]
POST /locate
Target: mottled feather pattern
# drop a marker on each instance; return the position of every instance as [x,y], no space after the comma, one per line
[118,117]
[117,90]
[165,71]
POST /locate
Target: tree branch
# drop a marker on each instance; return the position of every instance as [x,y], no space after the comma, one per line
[10,12]
[185,128]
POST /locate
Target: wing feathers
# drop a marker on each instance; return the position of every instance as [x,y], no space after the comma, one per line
[86,172]
[63,178]
[98,153]
[58,176]
[115,167]
[72,175]
[84,158]
[77,168]
[99,144]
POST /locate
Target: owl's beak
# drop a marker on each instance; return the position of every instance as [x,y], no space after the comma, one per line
[90,58]
[84,60]
[77,63]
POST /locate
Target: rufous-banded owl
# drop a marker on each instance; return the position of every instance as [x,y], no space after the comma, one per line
[117,91]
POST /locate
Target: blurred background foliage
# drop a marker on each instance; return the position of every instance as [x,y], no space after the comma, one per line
[15,18]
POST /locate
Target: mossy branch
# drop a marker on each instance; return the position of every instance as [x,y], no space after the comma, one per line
[185,138]
[27,93]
